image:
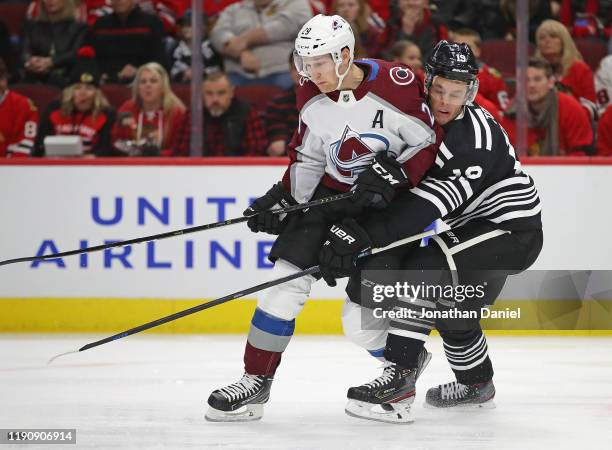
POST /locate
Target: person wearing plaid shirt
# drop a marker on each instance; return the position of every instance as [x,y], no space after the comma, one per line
[231,126]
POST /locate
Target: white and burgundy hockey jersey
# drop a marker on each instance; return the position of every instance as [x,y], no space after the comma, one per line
[339,133]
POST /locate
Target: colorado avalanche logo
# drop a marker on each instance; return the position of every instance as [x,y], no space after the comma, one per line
[353,153]
[401,75]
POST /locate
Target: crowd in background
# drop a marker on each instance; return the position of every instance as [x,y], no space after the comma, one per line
[86,48]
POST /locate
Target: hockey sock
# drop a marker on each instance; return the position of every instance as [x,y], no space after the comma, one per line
[467,354]
[268,338]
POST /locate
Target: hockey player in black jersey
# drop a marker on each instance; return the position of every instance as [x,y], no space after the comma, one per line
[479,189]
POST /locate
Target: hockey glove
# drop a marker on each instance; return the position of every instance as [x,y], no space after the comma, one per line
[338,255]
[265,221]
[375,186]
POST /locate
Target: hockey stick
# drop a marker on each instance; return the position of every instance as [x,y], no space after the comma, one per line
[236,295]
[169,234]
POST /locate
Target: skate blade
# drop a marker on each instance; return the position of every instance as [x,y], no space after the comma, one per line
[399,413]
[489,404]
[247,413]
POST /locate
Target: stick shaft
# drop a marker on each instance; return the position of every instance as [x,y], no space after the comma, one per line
[169,234]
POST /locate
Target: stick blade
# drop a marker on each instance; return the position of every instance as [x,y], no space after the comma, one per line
[60,355]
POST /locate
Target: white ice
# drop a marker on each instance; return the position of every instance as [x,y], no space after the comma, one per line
[150,392]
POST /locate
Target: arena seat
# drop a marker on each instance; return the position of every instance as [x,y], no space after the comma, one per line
[40,94]
[592,50]
[501,55]
[116,94]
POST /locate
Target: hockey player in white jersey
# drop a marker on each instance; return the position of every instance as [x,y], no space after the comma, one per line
[477,186]
[365,119]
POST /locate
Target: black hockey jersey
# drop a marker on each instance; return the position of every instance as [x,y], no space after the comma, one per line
[477,175]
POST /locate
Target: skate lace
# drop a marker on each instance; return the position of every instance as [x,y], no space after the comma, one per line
[453,390]
[385,378]
[247,385]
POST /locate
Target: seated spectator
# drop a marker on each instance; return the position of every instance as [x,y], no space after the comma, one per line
[125,40]
[604,133]
[558,124]
[231,126]
[5,44]
[359,14]
[82,111]
[281,116]
[603,83]
[255,35]
[491,84]
[181,52]
[407,52]
[574,76]
[413,23]
[18,120]
[90,11]
[49,43]
[584,18]
[505,27]
[150,122]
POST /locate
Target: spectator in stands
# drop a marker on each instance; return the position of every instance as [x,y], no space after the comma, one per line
[555,44]
[255,35]
[231,126]
[584,18]
[413,23]
[82,111]
[5,44]
[359,14]
[407,52]
[603,83]
[50,42]
[18,120]
[150,122]
[491,83]
[604,133]
[281,116]
[125,40]
[181,51]
[505,27]
[558,124]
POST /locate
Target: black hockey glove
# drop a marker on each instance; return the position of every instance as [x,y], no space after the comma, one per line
[267,222]
[375,186]
[338,255]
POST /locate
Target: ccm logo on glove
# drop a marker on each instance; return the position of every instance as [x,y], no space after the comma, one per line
[380,170]
[342,234]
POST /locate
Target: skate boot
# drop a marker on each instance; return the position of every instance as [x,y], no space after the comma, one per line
[389,397]
[241,401]
[465,396]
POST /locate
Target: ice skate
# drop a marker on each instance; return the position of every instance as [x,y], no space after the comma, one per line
[389,397]
[241,401]
[457,395]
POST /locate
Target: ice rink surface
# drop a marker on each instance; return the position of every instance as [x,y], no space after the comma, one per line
[150,391]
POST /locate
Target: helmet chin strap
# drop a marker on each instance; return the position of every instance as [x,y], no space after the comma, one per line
[341,77]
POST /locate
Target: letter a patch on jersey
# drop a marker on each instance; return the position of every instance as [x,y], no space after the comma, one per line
[378,119]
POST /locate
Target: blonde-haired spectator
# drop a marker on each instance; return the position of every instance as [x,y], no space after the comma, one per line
[82,111]
[50,41]
[149,123]
[555,44]
[359,14]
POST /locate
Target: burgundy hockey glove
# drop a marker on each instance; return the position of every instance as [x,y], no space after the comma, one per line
[338,255]
[375,186]
[267,222]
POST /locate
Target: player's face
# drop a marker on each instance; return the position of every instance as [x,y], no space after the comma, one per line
[446,98]
[150,87]
[538,84]
[322,71]
[549,44]
[349,9]
[217,95]
[84,96]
